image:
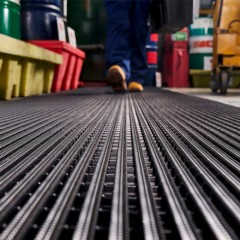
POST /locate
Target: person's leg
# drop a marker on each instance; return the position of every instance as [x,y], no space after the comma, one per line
[139,33]
[118,28]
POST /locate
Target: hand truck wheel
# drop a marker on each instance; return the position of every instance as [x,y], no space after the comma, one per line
[214,84]
[224,81]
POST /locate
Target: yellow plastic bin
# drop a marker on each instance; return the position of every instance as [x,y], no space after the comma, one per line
[235,79]
[200,78]
[25,69]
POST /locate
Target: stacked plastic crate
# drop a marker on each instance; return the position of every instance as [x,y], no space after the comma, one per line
[25,69]
[38,22]
[50,32]
[67,74]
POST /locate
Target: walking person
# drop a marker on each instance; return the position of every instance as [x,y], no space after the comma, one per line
[127,32]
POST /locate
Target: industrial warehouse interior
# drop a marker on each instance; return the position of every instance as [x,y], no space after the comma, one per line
[81,159]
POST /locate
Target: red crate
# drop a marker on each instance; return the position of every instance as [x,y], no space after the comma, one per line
[67,74]
[76,73]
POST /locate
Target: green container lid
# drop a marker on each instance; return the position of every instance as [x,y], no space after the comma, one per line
[10,18]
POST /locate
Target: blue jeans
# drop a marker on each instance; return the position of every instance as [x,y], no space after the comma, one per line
[127,32]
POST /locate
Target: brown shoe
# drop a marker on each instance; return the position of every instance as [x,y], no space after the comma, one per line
[135,87]
[116,77]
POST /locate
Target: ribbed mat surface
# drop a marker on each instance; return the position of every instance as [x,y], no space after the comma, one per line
[89,164]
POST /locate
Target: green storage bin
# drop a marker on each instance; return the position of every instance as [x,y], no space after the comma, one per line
[10,18]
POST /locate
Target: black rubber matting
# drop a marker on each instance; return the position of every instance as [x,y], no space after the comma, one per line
[90,164]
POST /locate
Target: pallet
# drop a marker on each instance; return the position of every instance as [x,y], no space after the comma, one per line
[25,69]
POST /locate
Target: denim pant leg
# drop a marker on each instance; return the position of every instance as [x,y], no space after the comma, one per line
[118,34]
[138,40]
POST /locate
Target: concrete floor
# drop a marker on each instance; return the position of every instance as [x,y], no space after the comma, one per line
[232,98]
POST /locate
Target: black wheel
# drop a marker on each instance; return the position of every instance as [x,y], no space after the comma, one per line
[214,90]
[214,84]
[224,80]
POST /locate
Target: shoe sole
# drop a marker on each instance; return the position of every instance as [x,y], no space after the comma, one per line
[134,90]
[135,87]
[115,79]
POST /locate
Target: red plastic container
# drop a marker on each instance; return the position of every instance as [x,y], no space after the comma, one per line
[67,74]
[176,63]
